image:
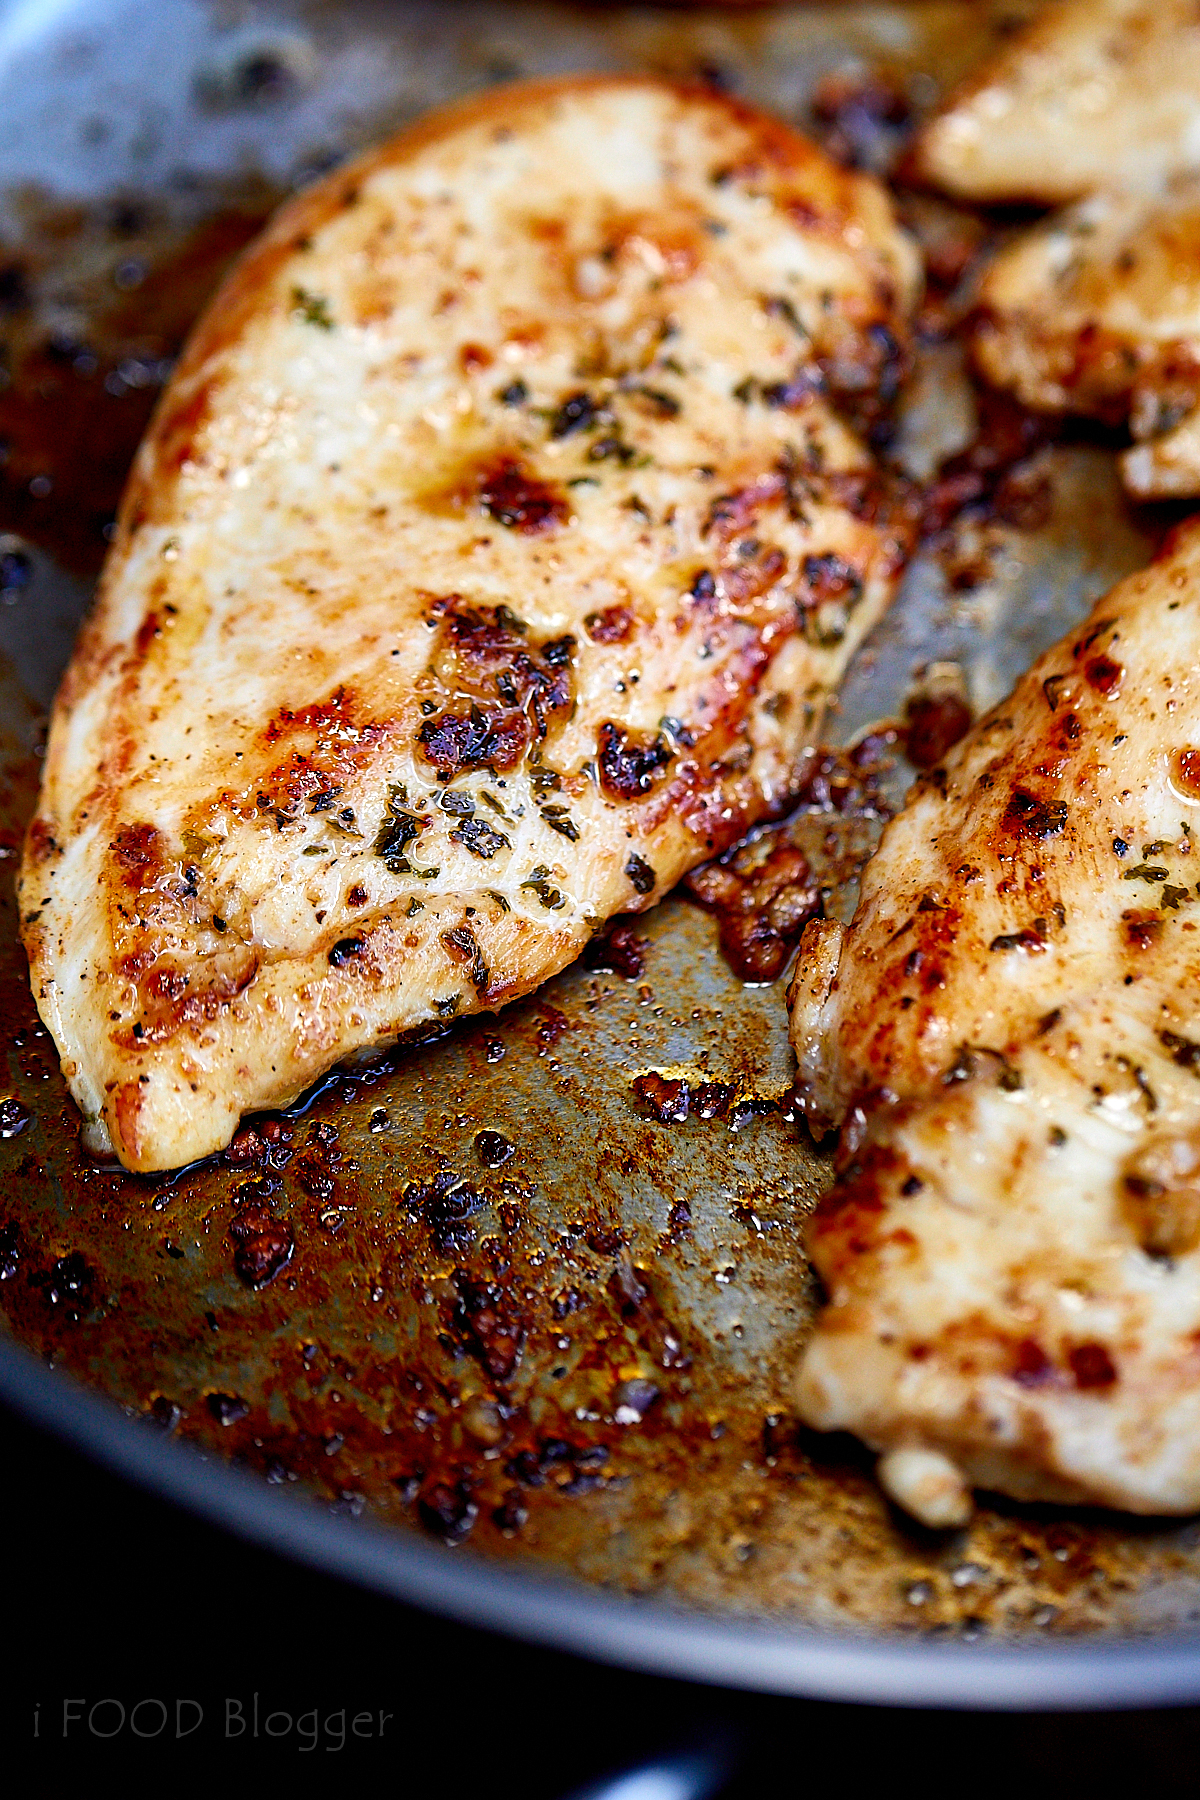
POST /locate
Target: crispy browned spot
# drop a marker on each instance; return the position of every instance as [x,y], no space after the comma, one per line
[518,499]
[136,849]
[732,513]
[1091,1366]
[172,996]
[519,688]
[40,842]
[1027,817]
[1031,1367]
[1142,929]
[477,738]
[629,765]
[1104,674]
[612,626]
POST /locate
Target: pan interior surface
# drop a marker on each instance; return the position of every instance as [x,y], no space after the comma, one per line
[535,1290]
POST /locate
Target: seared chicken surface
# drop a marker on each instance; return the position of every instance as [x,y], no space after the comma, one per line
[1008,1027]
[1093,92]
[1097,312]
[488,563]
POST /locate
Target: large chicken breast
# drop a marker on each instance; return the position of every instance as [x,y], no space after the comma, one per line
[1009,1028]
[1093,92]
[487,564]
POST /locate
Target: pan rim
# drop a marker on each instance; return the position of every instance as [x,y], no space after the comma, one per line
[648,1635]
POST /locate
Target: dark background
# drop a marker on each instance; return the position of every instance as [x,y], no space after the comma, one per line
[110,1592]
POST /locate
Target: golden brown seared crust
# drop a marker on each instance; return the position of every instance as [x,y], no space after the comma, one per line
[489,559]
[1012,1248]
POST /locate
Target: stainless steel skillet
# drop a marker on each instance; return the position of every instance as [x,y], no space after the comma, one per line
[525,1348]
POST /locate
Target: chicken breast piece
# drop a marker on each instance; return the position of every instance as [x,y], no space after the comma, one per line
[1008,1027]
[1093,93]
[487,564]
[1098,312]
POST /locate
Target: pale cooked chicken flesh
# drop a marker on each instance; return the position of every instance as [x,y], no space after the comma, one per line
[1097,311]
[1094,92]
[487,565]
[1009,1029]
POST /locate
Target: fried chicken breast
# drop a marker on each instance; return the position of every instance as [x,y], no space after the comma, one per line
[486,566]
[1097,312]
[1094,92]
[1011,1250]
